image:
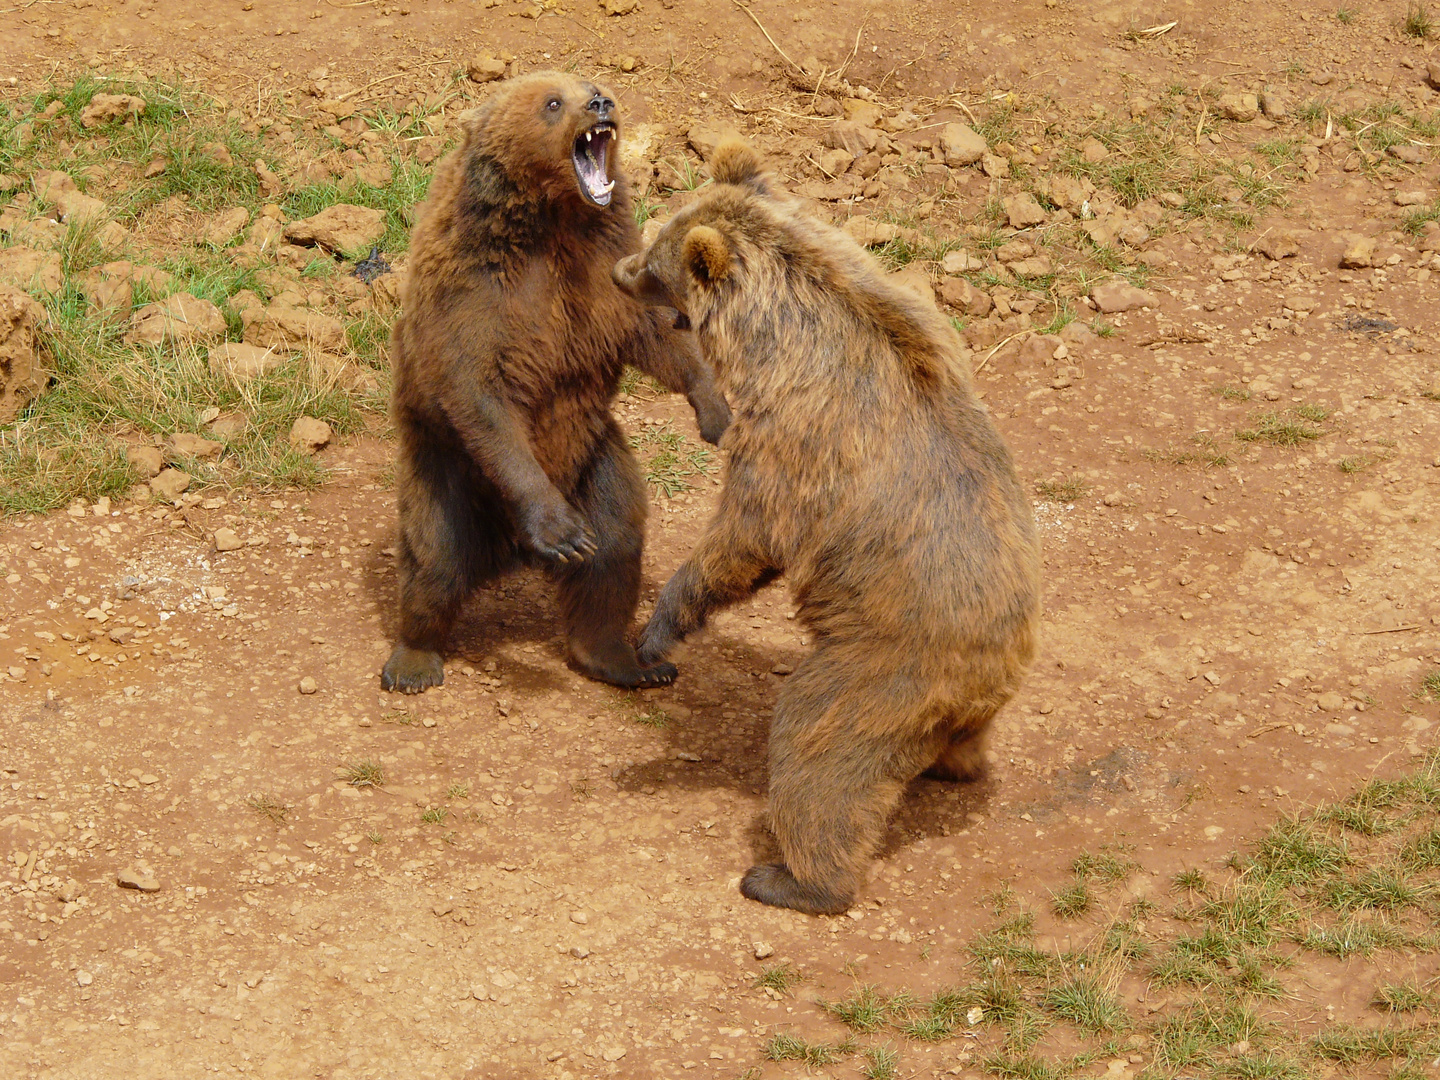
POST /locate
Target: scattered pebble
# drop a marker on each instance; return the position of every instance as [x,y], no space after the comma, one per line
[133,879]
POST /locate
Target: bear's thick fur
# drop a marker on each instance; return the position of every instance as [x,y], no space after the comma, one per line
[861,467]
[506,357]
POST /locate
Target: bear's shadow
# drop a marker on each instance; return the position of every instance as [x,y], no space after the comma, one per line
[519,609]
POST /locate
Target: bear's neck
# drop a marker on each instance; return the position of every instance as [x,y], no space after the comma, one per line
[502,223]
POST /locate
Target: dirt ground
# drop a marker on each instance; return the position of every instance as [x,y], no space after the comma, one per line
[546,883]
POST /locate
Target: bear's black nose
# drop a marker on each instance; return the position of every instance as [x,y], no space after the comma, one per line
[601,106]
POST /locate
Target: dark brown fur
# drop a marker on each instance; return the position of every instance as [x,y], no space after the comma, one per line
[863,469]
[506,358]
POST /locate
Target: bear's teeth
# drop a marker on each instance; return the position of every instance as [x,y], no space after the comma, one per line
[606,189]
[587,136]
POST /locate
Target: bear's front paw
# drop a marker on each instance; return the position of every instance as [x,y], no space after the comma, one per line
[558,533]
[656,640]
[712,415]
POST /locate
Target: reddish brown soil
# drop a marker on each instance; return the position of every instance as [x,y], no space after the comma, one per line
[1221,645]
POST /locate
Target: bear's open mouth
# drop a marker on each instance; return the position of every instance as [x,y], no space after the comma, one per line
[591,154]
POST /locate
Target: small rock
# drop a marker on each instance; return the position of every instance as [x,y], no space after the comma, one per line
[614,1053]
[782,668]
[1093,150]
[308,434]
[340,229]
[579,917]
[83,977]
[228,540]
[1239,107]
[147,461]
[579,952]
[308,685]
[1067,192]
[227,426]
[1114,498]
[865,113]
[226,226]
[31,270]
[1432,73]
[120,635]
[1411,198]
[241,362]
[133,879]
[169,484]
[485,68]
[1023,210]
[1358,253]
[1117,296]
[994,166]
[853,138]
[184,444]
[1411,155]
[868,232]
[959,293]
[1275,105]
[21,377]
[58,190]
[180,318]
[156,167]
[1330,701]
[763,950]
[961,145]
[108,108]
[1278,245]
[284,326]
[620,7]
[914,278]
[1036,267]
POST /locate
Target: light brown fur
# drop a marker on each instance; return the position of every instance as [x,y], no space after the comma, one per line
[506,358]
[863,469]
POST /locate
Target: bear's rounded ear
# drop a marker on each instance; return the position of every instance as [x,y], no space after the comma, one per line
[707,255]
[736,162]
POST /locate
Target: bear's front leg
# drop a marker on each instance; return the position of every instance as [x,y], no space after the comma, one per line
[722,570]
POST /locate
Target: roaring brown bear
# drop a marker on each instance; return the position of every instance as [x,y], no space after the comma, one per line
[862,467]
[506,358]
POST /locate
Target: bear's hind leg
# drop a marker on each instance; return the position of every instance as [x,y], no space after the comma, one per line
[598,597]
[843,746]
[452,537]
[963,757]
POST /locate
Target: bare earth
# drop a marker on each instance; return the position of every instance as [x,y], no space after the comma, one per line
[546,883]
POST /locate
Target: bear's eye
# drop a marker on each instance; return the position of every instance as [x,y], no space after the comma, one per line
[553,104]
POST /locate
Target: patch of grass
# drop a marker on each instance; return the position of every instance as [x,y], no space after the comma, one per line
[436,815]
[781,978]
[1024,1067]
[458,791]
[1402,998]
[1317,414]
[863,1010]
[1106,867]
[1271,1065]
[1352,1046]
[1062,491]
[881,1063]
[1417,22]
[1345,15]
[1195,1035]
[786,1047]
[375,836]
[1422,852]
[1354,937]
[1377,888]
[1072,901]
[1296,849]
[1231,393]
[365,773]
[270,807]
[687,176]
[1277,429]
[1087,1004]
[1103,329]
[1430,685]
[1192,881]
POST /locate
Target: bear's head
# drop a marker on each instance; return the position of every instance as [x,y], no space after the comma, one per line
[698,249]
[553,134]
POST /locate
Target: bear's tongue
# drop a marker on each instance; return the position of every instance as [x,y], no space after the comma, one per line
[590,157]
